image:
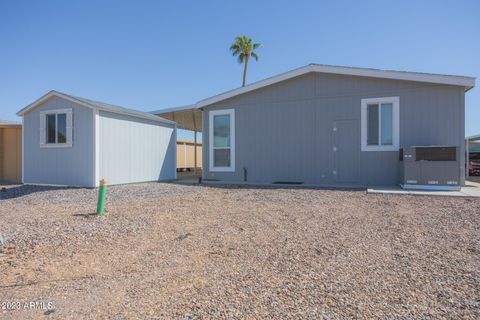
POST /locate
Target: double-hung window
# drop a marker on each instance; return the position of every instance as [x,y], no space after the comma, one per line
[222,140]
[56,128]
[380,124]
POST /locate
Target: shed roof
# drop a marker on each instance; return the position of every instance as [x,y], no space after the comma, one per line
[187,117]
[8,123]
[94,105]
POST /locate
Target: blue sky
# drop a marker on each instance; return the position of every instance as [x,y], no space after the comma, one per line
[153,54]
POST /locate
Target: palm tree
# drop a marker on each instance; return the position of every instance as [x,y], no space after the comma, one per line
[244,48]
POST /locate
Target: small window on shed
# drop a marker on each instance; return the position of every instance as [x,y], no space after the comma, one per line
[56,128]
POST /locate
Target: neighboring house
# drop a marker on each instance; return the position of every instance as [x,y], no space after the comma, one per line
[473,155]
[326,125]
[10,151]
[186,155]
[74,141]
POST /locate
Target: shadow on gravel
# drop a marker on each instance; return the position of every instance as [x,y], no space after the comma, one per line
[226,185]
[85,215]
[23,190]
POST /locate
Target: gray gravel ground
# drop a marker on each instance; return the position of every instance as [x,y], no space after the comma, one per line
[172,251]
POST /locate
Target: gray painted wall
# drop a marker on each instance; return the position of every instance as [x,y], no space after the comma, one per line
[285,131]
[136,150]
[66,166]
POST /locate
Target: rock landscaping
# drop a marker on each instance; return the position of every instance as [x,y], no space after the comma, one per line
[165,250]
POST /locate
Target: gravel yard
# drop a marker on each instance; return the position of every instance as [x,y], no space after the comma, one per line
[173,251]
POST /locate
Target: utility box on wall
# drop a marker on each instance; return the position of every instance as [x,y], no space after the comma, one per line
[430,167]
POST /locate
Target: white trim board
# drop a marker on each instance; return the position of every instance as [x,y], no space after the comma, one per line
[23,150]
[96,149]
[175,153]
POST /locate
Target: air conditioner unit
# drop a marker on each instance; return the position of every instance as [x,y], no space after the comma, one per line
[430,168]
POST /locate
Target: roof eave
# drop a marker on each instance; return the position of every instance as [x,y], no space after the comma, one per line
[466,82]
[255,85]
[52,93]
[187,107]
[462,81]
[474,137]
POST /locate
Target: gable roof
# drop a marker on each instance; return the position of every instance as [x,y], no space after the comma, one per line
[97,105]
[467,82]
[462,81]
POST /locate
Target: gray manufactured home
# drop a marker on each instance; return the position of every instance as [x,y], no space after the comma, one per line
[326,125]
[74,141]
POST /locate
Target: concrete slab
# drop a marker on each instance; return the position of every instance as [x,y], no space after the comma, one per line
[474,179]
[471,189]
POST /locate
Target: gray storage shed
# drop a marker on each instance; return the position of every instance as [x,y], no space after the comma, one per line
[326,125]
[74,141]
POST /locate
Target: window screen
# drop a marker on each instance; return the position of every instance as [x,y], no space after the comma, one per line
[61,128]
[386,124]
[50,128]
[221,140]
[221,131]
[372,125]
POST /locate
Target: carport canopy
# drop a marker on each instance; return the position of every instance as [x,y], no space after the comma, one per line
[471,143]
[475,138]
[187,117]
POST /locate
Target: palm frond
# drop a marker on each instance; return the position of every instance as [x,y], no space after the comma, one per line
[244,48]
[241,57]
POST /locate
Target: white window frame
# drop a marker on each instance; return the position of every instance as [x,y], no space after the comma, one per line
[395,146]
[43,128]
[231,113]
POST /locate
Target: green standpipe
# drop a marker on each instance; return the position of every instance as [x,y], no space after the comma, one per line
[102,191]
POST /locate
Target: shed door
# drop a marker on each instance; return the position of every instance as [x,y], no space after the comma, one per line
[345,151]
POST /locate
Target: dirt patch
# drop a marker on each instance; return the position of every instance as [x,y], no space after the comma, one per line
[166,250]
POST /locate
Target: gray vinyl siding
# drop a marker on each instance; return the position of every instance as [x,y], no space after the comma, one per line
[135,150]
[285,131]
[64,166]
